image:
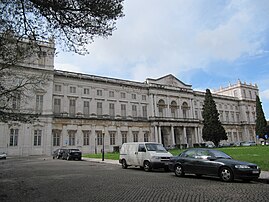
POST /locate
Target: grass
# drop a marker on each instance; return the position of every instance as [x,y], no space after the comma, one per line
[113,156]
[254,154]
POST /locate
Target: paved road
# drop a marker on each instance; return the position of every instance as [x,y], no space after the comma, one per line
[45,179]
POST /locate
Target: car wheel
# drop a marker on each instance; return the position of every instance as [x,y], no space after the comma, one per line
[53,157]
[226,174]
[124,164]
[179,171]
[147,166]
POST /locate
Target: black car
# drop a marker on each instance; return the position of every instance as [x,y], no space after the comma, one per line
[201,161]
[58,153]
[72,154]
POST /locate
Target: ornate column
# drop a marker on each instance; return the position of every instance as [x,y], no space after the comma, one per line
[185,135]
[160,135]
[173,135]
[156,133]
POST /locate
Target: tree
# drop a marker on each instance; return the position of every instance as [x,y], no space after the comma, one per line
[212,130]
[26,24]
[73,23]
[261,122]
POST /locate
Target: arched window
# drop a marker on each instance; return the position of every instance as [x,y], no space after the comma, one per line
[161,106]
[185,108]
[173,107]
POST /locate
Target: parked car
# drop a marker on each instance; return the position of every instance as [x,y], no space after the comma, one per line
[226,144]
[264,143]
[202,161]
[58,153]
[239,143]
[146,155]
[3,155]
[72,154]
[248,143]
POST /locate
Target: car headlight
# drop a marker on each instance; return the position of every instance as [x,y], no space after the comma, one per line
[156,157]
[242,166]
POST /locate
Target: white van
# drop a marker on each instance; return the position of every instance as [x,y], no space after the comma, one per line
[147,155]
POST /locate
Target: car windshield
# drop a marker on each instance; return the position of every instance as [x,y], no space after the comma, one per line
[74,150]
[220,154]
[155,147]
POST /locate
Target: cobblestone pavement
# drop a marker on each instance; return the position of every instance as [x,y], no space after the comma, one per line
[45,179]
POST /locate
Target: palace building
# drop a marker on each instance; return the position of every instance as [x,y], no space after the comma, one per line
[84,111]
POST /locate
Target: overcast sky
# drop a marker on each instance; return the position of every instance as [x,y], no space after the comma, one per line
[204,43]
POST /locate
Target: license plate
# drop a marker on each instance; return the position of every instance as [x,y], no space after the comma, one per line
[255,171]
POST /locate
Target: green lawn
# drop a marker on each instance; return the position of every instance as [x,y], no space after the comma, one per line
[254,154]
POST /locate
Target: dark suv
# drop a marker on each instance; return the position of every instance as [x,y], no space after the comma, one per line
[58,153]
[72,154]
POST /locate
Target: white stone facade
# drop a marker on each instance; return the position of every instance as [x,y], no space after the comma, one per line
[79,110]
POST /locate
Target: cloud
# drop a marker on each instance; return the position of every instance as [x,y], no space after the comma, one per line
[159,37]
[265,94]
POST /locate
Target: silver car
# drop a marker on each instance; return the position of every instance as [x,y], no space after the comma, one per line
[248,143]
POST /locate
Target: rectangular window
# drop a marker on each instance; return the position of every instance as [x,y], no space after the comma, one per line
[99,138]
[146,137]
[111,93]
[135,136]
[56,138]
[144,111]
[250,94]
[42,57]
[73,89]
[57,106]
[39,103]
[232,115]
[227,116]
[221,116]
[72,139]
[144,97]
[99,92]
[72,108]
[86,108]
[161,111]
[123,110]
[14,133]
[134,111]
[134,96]
[111,109]
[16,101]
[237,117]
[112,137]
[99,109]
[86,91]
[86,137]
[58,88]
[122,95]
[123,136]
[196,114]
[244,93]
[37,137]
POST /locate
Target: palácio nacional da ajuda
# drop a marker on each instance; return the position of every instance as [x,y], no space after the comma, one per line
[79,110]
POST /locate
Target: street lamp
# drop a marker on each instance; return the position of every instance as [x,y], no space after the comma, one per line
[103,150]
